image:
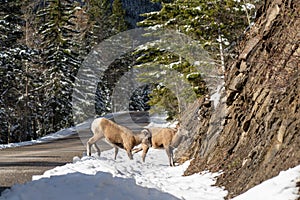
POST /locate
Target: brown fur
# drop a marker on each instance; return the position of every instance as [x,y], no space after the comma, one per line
[116,135]
[162,138]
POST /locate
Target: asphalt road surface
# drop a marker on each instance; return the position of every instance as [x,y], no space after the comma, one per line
[18,165]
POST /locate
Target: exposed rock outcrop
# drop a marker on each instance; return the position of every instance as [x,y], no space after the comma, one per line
[260,133]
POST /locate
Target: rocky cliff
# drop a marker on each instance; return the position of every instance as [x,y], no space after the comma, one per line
[259,134]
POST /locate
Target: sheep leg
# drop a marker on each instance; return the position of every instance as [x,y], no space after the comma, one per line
[90,142]
[172,158]
[169,152]
[97,149]
[136,150]
[129,153]
[116,152]
[145,150]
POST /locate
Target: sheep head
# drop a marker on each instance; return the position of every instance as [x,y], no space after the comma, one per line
[147,138]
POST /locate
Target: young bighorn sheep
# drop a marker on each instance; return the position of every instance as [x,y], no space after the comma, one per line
[116,135]
[163,138]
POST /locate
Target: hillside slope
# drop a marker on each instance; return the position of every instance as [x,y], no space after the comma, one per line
[260,133]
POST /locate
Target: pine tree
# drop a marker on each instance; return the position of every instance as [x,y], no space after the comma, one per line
[173,79]
[100,28]
[211,23]
[118,17]
[107,19]
[215,24]
[104,20]
[17,82]
[10,32]
[60,61]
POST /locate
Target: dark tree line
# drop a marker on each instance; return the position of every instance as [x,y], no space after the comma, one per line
[42,46]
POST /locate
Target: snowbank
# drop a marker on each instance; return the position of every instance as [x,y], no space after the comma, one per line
[105,178]
[51,137]
[281,187]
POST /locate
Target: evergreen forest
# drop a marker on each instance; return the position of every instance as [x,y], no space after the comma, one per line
[45,42]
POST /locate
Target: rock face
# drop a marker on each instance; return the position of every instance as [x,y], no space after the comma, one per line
[260,131]
[196,121]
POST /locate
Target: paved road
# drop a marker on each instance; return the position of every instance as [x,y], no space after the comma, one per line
[18,165]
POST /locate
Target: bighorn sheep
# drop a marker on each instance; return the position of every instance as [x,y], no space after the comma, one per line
[162,138]
[117,136]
